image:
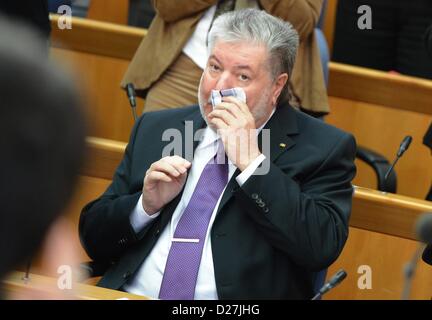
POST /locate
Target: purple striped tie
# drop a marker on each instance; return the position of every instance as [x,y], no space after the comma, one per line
[184,258]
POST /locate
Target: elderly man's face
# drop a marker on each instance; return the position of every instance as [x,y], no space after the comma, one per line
[244,65]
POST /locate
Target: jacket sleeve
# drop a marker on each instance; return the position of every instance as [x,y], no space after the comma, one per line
[173,10]
[104,227]
[308,220]
[302,14]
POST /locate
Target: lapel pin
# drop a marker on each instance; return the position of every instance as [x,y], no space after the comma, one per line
[282,145]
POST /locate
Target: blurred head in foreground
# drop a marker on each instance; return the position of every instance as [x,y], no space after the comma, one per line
[41,143]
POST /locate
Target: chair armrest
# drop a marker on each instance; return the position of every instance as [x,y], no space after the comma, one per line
[380,165]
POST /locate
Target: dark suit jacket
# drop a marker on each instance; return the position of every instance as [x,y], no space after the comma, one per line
[259,252]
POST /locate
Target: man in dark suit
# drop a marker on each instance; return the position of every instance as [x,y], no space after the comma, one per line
[259,223]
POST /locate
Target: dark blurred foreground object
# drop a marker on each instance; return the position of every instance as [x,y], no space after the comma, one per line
[33,12]
[42,136]
[427,255]
[428,40]
[396,41]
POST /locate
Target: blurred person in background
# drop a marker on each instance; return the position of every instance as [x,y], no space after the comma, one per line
[167,67]
[42,134]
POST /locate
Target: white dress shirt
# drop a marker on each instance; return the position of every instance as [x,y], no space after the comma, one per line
[148,280]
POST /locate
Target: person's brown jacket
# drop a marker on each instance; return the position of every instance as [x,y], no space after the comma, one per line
[175,22]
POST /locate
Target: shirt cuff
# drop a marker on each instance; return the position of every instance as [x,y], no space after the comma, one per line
[242,177]
[139,218]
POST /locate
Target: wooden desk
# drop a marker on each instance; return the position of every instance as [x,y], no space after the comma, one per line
[380,88]
[103,157]
[40,286]
[387,213]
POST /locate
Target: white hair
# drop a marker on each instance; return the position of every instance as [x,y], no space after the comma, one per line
[258,27]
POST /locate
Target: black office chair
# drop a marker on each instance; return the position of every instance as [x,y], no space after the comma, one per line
[380,165]
[427,141]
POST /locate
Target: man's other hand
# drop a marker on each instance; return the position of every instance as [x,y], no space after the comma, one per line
[163,182]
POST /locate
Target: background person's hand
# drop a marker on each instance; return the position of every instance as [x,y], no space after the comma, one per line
[163,182]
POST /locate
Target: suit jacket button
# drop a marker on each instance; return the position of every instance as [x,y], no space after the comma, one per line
[254,196]
[266,210]
[261,204]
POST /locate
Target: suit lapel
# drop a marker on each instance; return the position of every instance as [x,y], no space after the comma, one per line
[229,191]
[283,127]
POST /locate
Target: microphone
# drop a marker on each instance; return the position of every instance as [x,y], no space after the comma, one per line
[26,277]
[130,91]
[402,148]
[333,282]
[424,234]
